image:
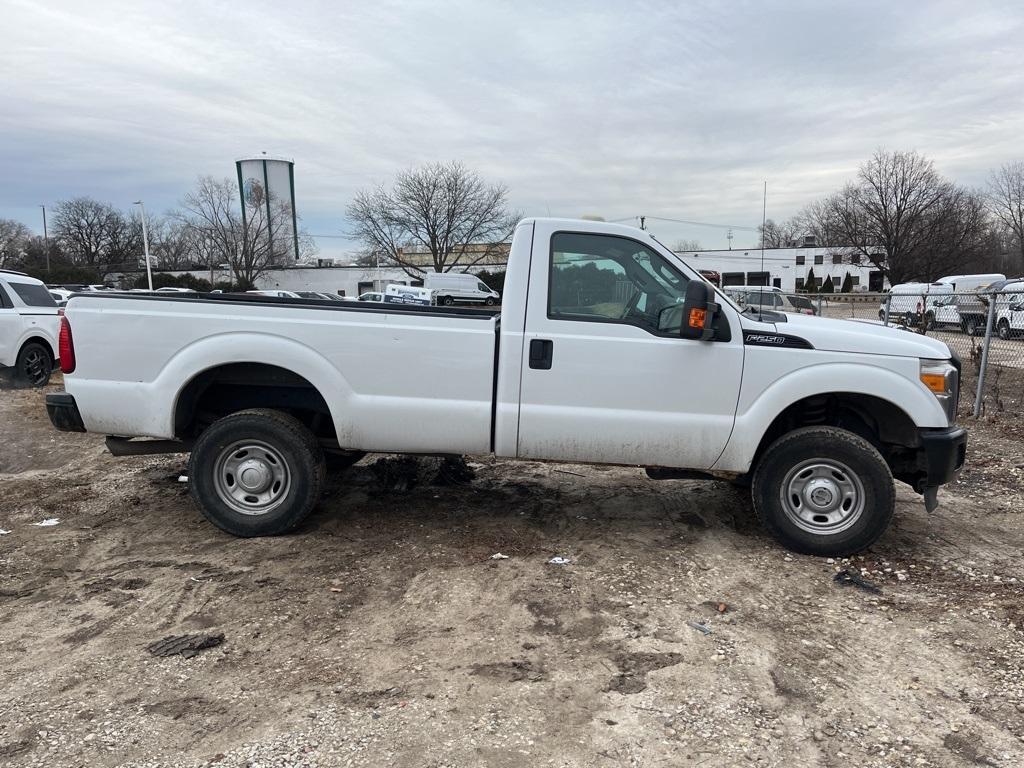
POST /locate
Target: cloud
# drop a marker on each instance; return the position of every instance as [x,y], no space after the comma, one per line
[671,110]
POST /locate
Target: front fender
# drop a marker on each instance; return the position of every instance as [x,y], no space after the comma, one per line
[754,418]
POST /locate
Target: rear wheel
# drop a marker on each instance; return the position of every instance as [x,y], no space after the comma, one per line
[929,321]
[448,301]
[256,473]
[489,301]
[971,326]
[824,491]
[1004,329]
[34,365]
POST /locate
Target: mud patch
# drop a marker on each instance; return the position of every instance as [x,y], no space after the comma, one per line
[633,669]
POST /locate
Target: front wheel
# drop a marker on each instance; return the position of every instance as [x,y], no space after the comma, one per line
[1004,330]
[824,491]
[489,301]
[448,301]
[256,472]
[971,326]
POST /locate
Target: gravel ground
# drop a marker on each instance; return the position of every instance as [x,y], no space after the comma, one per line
[383,633]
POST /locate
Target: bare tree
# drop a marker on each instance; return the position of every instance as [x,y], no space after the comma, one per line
[213,217]
[1006,201]
[903,216]
[775,235]
[172,243]
[683,244]
[816,220]
[84,228]
[14,238]
[439,210]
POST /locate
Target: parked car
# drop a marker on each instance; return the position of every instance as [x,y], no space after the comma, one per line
[458,288]
[765,298]
[371,296]
[60,295]
[29,324]
[612,351]
[277,293]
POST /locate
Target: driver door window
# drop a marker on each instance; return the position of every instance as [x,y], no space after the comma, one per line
[608,279]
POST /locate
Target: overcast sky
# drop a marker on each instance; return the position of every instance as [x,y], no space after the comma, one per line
[678,110]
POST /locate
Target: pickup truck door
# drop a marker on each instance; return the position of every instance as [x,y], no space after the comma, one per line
[605,376]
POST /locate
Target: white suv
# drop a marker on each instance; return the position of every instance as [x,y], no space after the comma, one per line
[29,324]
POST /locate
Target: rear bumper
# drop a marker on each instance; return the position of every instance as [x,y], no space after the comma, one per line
[63,412]
[944,452]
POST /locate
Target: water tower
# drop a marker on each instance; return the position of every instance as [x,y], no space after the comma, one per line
[266,186]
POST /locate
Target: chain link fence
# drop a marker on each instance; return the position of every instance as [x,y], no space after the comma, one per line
[985,330]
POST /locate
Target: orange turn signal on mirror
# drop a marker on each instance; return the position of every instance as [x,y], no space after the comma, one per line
[936,382]
[698,317]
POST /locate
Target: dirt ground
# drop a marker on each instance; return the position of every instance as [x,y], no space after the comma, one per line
[383,632]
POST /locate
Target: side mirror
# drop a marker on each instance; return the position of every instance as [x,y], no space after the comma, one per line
[699,311]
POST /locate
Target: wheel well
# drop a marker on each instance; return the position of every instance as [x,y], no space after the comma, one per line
[42,342]
[883,424]
[224,390]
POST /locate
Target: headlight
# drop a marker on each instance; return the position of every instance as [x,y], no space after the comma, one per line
[943,381]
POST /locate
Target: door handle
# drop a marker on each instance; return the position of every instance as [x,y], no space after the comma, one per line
[541,352]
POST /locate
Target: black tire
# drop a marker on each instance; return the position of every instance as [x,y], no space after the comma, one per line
[929,322]
[971,326]
[1004,330]
[33,366]
[278,448]
[854,463]
[489,301]
[448,301]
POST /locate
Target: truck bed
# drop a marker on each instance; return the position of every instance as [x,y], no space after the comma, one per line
[136,353]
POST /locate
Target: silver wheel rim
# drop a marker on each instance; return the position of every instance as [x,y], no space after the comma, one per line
[822,496]
[251,477]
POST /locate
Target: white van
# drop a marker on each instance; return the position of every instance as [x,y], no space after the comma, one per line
[452,287]
[406,294]
[946,310]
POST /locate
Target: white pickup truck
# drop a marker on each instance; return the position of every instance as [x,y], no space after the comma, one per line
[609,349]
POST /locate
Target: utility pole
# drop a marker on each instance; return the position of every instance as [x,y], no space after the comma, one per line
[643,219]
[729,238]
[46,239]
[145,243]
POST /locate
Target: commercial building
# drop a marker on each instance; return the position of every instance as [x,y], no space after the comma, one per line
[790,269]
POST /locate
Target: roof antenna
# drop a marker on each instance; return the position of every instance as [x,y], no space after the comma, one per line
[764,213]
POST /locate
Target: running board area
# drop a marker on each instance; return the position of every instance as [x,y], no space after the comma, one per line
[126,446]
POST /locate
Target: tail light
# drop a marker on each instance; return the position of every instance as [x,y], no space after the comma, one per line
[66,347]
